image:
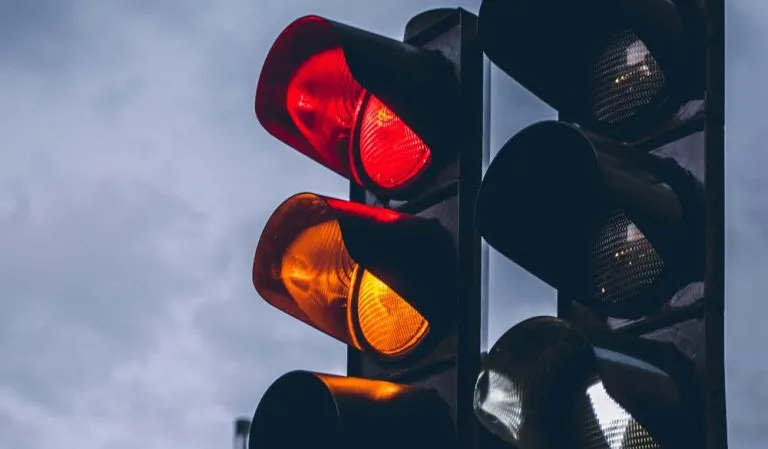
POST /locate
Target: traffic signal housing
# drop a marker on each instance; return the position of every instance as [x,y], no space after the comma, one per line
[304,409]
[377,111]
[617,67]
[394,272]
[619,229]
[373,278]
[610,205]
[546,383]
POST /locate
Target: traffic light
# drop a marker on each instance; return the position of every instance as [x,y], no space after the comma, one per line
[545,374]
[393,272]
[619,229]
[609,205]
[306,409]
[377,111]
[618,67]
[370,277]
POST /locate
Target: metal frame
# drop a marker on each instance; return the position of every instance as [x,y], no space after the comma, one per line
[450,199]
[714,280]
[711,309]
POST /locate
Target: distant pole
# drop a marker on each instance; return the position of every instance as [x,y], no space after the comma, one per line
[242,428]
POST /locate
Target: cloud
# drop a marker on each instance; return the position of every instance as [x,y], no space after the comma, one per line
[118,199]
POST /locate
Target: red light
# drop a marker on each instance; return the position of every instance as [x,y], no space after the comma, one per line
[308,97]
[322,100]
[391,153]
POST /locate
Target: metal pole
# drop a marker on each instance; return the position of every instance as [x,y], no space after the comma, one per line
[486,258]
[714,280]
[242,428]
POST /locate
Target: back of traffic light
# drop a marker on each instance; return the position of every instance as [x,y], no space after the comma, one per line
[609,206]
[384,114]
[621,68]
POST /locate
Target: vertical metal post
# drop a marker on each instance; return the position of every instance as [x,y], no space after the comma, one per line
[471,325]
[485,281]
[453,366]
[714,280]
[242,429]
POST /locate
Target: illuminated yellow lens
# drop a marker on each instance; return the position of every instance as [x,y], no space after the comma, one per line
[388,323]
[303,268]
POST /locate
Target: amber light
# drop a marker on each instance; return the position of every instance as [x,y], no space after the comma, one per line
[308,97]
[303,268]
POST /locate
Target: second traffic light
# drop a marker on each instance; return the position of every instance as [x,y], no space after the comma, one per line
[608,206]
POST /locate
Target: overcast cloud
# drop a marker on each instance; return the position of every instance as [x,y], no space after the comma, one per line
[134,184]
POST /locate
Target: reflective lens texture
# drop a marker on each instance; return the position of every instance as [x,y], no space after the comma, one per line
[499,404]
[540,388]
[302,267]
[533,381]
[388,323]
[609,426]
[626,79]
[391,153]
[623,264]
[309,98]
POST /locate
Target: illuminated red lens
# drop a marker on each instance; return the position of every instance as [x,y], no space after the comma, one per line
[322,100]
[308,98]
[391,153]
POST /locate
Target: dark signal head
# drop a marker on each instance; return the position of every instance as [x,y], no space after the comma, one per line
[305,409]
[616,67]
[621,235]
[598,390]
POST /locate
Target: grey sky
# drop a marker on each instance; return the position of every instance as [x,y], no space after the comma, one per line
[134,183]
